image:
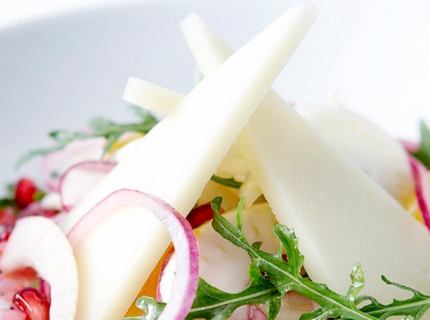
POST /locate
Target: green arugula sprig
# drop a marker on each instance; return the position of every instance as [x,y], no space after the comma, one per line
[99,127]
[414,307]
[423,152]
[281,276]
[228,182]
[212,303]
[8,200]
[286,275]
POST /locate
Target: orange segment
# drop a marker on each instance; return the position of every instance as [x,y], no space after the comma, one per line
[412,207]
[150,287]
[125,138]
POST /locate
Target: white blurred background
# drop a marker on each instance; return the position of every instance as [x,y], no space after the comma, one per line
[64,61]
[14,12]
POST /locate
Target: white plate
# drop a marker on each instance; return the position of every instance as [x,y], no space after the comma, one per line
[58,72]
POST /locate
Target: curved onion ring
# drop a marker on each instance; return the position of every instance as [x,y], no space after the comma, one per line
[422,189]
[103,167]
[181,233]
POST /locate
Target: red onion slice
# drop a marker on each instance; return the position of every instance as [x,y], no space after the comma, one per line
[182,235]
[78,180]
[165,264]
[422,188]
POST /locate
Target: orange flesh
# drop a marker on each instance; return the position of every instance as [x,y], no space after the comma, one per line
[149,289]
[126,138]
[412,207]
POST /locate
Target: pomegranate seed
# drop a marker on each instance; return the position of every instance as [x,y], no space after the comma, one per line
[25,191]
[201,214]
[33,303]
[36,209]
[5,231]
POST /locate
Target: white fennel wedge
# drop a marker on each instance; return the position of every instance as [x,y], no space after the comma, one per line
[37,242]
[375,152]
[174,162]
[339,214]
[383,158]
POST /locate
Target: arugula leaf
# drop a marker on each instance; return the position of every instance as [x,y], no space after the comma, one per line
[414,307]
[6,202]
[150,306]
[286,275]
[423,152]
[272,276]
[228,182]
[212,303]
[99,128]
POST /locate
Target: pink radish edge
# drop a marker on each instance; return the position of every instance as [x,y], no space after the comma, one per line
[422,189]
[97,166]
[51,161]
[410,147]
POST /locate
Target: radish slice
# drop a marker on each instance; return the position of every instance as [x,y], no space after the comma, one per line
[256,314]
[422,189]
[293,305]
[77,181]
[54,164]
[182,235]
[222,264]
[39,243]
[225,266]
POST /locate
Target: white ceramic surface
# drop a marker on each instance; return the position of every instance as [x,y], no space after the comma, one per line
[59,71]
[14,12]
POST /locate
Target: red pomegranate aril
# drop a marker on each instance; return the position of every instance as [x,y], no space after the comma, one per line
[36,209]
[25,191]
[201,214]
[5,231]
[33,303]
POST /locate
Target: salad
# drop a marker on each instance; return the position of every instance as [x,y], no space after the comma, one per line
[232,204]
